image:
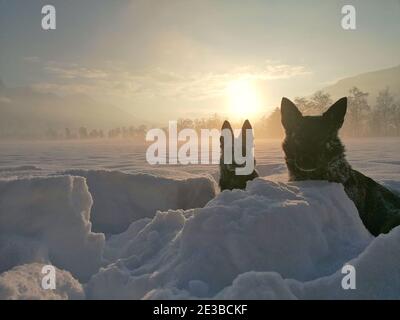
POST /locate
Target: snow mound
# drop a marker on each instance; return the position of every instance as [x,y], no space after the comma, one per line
[48,220]
[273,240]
[121,198]
[377,277]
[241,244]
[25,283]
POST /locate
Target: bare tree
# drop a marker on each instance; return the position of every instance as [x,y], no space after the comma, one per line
[396,117]
[316,104]
[83,134]
[382,115]
[357,111]
[320,101]
[302,103]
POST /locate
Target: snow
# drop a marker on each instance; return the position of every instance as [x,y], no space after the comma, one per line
[301,231]
[378,158]
[377,270]
[24,282]
[48,219]
[120,198]
[166,233]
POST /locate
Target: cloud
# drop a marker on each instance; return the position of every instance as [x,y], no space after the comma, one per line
[117,81]
[75,72]
[31,59]
[272,70]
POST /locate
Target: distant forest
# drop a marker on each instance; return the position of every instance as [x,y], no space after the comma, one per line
[381,119]
[362,119]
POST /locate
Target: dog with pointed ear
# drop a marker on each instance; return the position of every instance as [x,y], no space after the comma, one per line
[313,151]
[229,179]
[312,144]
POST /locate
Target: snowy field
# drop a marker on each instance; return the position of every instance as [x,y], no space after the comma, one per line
[118,228]
[376,157]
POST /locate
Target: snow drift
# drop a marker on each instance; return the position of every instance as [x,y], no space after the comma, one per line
[48,220]
[377,274]
[120,198]
[273,240]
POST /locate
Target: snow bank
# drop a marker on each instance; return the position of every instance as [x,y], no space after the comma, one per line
[47,220]
[242,244]
[120,198]
[377,277]
[25,283]
[273,240]
[377,269]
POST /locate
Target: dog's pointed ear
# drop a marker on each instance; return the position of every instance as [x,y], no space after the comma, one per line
[226,126]
[246,126]
[289,114]
[335,114]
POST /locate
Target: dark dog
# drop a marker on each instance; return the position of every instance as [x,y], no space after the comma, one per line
[313,151]
[228,178]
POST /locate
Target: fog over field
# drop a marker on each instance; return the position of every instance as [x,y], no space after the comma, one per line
[25,159]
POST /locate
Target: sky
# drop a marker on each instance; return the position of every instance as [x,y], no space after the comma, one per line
[167,59]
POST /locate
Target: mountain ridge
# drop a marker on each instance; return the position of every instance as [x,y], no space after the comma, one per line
[371,82]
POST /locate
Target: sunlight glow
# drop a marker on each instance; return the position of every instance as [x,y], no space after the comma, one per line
[244,101]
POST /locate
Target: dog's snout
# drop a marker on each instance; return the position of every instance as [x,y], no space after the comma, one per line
[306,161]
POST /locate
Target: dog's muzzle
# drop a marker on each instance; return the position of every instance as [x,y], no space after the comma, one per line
[305,164]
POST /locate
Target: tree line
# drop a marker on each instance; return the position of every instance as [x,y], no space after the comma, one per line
[382,118]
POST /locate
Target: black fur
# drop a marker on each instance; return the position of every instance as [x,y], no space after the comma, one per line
[313,151]
[228,179]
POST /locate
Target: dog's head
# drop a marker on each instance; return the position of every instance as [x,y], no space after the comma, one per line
[228,141]
[312,142]
[234,174]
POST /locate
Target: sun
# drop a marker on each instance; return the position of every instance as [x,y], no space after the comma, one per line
[243,98]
